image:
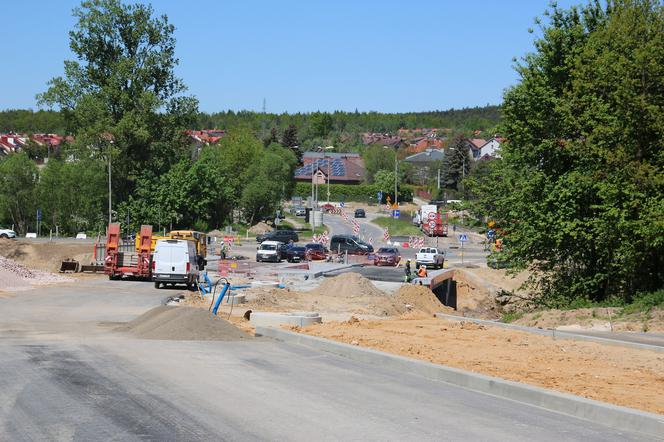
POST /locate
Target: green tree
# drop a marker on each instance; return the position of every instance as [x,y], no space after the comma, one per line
[377,158]
[18,181]
[579,191]
[272,138]
[456,165]
[321,124]
[122,88]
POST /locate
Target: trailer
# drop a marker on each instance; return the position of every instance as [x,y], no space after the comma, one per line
[431,221]
[119,263]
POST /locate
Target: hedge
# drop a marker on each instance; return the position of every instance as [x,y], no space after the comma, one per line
[352,192]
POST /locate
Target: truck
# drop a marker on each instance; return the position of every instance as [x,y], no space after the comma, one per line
[119,263]
[429,257]
[200,239]
[430,221]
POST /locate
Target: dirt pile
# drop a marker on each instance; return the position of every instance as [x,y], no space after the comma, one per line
[347,285]
[182,324]
[623,376]
[420,299]
[260,228]
[476,297]
[14,276]
[45,256]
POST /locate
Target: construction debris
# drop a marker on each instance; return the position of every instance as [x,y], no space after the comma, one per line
[14,276]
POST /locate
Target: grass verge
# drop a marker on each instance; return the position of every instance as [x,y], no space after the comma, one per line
[398,227]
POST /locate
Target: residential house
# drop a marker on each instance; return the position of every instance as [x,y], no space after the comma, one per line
[474,146]
[490,149]
[424,163]
[341,168]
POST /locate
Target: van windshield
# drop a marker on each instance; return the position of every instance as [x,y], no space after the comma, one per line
[268,247]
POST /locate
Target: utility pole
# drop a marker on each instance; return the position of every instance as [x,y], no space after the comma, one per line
[109,189]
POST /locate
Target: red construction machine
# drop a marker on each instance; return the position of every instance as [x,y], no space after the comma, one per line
[136,263]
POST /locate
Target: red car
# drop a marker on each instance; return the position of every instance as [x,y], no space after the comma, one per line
[327,207]
[316,252]
[387,256]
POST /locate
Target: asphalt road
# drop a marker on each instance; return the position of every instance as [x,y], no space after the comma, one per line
[66,375]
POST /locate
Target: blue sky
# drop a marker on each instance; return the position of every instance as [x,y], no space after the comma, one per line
[301,56]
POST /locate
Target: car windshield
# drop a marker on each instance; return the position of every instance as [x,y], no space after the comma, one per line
[298,249]
[314,246]
[268,247]
[386,250]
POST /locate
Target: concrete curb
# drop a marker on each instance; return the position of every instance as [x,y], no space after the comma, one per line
[553,333]
[345,267]
[598,412]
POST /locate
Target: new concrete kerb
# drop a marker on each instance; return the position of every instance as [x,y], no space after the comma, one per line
[552,333]
[599,412]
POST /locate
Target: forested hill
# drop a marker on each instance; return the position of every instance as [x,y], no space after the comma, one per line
[355,122]
[459,120]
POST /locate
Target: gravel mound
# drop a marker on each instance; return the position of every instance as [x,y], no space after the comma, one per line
[421,299]
[14,276]
[182,324]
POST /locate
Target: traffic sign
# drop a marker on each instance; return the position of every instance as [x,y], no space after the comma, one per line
[396,213]
[341,204]
[463,237]
[432,225]
[432,215]
[379,196]
[39,215]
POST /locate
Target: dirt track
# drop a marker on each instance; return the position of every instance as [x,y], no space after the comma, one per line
[623,376]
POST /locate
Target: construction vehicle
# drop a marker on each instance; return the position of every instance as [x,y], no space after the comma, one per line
[432,222]
[121,263]
[198,238]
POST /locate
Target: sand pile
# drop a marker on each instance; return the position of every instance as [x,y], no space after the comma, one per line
[260,228]
[348,294]
[182,324]
[14,276]
[347,285]
[421,299]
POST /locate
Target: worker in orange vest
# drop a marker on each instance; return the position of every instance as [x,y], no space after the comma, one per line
[422,272]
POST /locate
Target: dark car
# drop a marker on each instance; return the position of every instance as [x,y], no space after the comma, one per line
[387,256]
[284,236]
[351,244]
[316,252]
[295,254]
[359,213]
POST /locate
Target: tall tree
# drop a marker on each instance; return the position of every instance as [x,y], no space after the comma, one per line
[18,181]
[290,140]
[122,88]
[272,138]
[456,165]
[580,188]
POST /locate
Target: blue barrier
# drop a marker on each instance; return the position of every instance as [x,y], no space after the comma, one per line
[224,290]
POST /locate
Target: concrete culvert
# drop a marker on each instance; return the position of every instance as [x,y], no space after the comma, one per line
[182,324]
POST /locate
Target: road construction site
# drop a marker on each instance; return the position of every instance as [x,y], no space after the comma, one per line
[84,342]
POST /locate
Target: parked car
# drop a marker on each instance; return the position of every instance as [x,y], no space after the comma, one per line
[387,256]
[327,207]
[296,254]
[269,251]
[175,262]
[281,235]
[7,233]
[298,211]
[316,252]
[351,244]
[359,213]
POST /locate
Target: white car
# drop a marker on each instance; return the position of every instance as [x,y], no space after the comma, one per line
[7,233]
[269,251]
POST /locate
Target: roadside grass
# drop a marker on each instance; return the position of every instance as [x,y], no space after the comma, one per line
[398,227]
[508,317]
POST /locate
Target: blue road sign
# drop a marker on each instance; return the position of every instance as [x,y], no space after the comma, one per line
[379,196]
[341,204]
[463,238]
[396,213]
[39,215]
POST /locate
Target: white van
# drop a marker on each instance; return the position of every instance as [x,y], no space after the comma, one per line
[174,262]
